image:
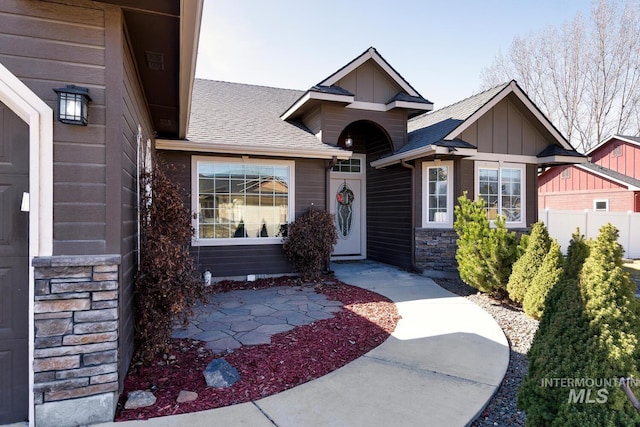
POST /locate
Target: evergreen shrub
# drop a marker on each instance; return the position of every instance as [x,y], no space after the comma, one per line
[484,255]
[526,267]
[548,276]
[588,330]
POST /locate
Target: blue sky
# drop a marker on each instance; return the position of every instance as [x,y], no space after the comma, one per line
[439,47]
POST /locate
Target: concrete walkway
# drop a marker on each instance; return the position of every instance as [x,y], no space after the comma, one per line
[440,367]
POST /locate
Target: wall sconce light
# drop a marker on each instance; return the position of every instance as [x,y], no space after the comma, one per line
[73,105]
[348,141]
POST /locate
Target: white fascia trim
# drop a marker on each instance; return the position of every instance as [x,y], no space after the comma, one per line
[371,54]
[375,106]
[428,150]
[203,147]
[408,155]
[562,159]
[369,106]
[610,178]
[321,96]
[606,141]
[410,105]
[191,13]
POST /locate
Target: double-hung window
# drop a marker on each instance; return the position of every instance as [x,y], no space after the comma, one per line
[241,202]
[502,187]
[437,200]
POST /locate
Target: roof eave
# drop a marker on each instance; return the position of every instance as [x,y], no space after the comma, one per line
[205,147]
[606,141]
[370,53]
[630,187]
[512,87]
[311,96]
[191,13]
[428,150]
[562,160]
[408,105]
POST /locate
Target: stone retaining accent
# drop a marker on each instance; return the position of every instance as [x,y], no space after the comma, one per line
[76,339]
[435,251]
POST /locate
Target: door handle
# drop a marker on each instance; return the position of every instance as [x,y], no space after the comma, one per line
[24,206]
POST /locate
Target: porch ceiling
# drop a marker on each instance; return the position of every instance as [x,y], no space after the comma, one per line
[164,38]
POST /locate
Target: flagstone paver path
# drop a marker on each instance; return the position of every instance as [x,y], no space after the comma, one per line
[232,319]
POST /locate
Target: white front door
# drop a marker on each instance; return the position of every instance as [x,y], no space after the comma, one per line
[347,203]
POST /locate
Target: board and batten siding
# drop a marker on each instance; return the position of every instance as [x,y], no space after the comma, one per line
[619,156]
[241,260]
[48,45]
[369,83]
[504,129]
[572,188]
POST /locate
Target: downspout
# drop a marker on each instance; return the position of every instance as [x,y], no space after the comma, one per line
[412,168]
[327,184]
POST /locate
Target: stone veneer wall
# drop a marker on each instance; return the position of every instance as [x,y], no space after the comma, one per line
[435,251]
[76,339]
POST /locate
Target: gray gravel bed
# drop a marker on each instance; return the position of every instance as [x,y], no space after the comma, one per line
[519,329]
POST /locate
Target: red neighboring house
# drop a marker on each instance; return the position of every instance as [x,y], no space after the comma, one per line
[610,181]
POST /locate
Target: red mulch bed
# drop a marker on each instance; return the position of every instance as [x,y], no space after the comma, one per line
[293,358]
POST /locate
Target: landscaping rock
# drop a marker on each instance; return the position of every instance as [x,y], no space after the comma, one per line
[139,399]
[220,374]
[186,396]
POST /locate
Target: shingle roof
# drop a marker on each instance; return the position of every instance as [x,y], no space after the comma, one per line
[336,90]
[632,138]
[617,176]
[431,128]
[556,150]
[238,114]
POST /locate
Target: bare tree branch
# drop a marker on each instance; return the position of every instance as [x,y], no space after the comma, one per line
[584,75]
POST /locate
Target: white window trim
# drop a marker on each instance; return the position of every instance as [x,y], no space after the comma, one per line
[523,196]
[197,160]
[425,195]
[596,201]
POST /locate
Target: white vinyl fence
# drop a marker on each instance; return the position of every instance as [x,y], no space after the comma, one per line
[561,224]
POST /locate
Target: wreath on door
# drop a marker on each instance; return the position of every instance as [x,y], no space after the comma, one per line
[344,210]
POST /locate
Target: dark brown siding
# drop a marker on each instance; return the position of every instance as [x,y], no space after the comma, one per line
[336,118]
[231,261]
[130,112]
[389,201]
[48,45]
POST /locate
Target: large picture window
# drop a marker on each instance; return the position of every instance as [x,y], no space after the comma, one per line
[251,201]
[503,190]
[437,200]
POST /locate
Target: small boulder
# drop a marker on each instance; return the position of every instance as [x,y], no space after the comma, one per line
[186,396]
[139,399]
[220,374]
